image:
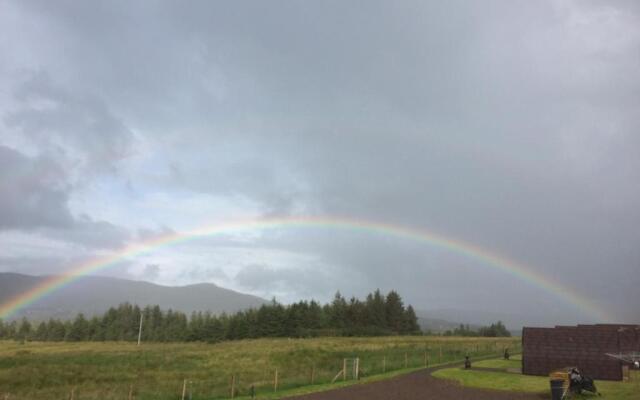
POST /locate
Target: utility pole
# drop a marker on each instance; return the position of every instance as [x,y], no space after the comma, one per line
[140,329]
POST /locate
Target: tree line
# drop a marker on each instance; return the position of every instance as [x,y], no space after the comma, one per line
[377,315]
[494,330]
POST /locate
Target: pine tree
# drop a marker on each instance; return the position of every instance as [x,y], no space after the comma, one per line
[315,318]
[79,329]
[395,312]
[24,332]
[41,332]
[376,310]
[213,329]
[410,324]
[96,329]
[337,312]
[55,331]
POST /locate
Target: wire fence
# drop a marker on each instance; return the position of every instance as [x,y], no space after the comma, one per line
[274,378]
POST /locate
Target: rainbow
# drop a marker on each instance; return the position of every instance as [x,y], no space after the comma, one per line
[493,260]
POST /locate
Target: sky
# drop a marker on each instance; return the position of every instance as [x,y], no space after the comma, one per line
[511,125]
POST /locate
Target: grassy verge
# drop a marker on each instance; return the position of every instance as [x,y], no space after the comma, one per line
[499,363]
[535,384]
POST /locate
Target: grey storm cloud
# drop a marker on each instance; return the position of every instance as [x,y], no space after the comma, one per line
[151,271]
[34,197]
[303,281]
[510,125]
[71,124]
[34,192]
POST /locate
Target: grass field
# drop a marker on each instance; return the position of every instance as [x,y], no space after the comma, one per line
[534,384]
[513,364]
[158,370]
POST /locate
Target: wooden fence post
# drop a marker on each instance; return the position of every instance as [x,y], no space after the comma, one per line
[313,373]
[440,357]
[233,386]
[384,364]
[344,369]
[131,391]
[275,381]
[357,367]
[184,388]
[73,394]
[406,360]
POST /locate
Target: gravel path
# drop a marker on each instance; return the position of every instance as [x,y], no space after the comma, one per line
[417,385]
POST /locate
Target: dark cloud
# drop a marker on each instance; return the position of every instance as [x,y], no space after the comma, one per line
[34,196]
[511,125]
[33,192]
[71,125]
[91,233]
[151,272]
[302,282]
[54,265]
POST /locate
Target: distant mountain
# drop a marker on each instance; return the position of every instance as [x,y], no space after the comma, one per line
[437,325]
[451,318]
[94,295]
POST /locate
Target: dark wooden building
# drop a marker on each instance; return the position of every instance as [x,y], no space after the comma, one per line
[584,346]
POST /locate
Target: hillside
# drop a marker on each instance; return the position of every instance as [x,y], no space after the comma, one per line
[438,325]
[94,295]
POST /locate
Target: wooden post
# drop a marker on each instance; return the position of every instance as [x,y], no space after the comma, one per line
[73,394]
[406,360]
[275,381]
[233,386]
[344,369]
[384,364]
[131,391]
[337,376]
[184,388]
[313,373]
[440,358]
[140,329]
[357,367]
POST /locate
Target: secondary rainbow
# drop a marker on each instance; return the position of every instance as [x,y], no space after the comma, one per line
[466,249]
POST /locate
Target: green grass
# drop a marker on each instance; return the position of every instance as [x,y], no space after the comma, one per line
[534,384]
[157,370]
[499,363]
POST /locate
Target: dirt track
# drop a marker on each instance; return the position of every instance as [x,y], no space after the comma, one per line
[416,386]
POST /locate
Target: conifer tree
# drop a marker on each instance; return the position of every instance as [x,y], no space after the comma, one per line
[41,332]
[395,312]
[79,329]
[24,332]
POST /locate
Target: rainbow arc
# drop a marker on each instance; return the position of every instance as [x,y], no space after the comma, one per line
[482,256]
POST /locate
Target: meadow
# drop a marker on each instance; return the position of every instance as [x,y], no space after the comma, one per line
[122,370]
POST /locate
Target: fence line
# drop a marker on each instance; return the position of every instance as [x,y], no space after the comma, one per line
[363,364]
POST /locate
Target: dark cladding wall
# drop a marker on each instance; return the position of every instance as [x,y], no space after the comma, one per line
[584,346]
